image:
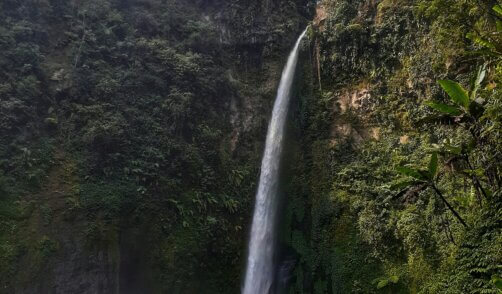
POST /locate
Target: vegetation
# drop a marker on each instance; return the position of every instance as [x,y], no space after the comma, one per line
[118,133]
[131,134]
[402,182]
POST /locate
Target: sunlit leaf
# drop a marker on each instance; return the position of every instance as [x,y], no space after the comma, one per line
[481,41]
[480,76]
[498,9]
[382,283]
[479,172]
[394,279]
[444,108]
[456,92]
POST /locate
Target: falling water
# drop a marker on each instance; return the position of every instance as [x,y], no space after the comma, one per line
[260,267]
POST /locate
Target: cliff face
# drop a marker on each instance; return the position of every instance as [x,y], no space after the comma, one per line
[131,133]
[362,114]
[131,136]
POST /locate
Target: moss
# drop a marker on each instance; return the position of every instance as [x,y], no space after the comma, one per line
[353,212]
[47,247]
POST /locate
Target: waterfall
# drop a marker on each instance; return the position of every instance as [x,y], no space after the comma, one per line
[260,265]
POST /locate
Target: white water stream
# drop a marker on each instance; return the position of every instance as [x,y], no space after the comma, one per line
[260,264]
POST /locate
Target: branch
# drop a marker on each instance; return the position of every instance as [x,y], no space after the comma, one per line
[448,205]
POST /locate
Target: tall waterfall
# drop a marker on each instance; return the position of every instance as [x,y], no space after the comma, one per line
[260,265]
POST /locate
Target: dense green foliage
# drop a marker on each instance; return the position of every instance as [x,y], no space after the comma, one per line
[116,132]
[131,133]
[404,183]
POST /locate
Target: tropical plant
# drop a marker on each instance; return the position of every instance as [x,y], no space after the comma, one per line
[497,282]
[467,108]
[422,179]
[490,42]
[383,282]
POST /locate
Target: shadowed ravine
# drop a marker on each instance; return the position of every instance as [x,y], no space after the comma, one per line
[260,265]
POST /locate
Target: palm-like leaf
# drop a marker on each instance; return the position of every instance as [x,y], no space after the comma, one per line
[481,41]
[498,9]
[444,108]
[480,76]
[456,92]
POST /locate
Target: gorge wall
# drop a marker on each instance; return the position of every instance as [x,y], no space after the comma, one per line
[362,112]
[131,133]
[131,138]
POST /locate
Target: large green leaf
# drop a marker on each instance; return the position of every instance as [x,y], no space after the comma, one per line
[433,165]
[498,9]
[382,283]
[481,41]
[444,108]
[456,92]
[480,76]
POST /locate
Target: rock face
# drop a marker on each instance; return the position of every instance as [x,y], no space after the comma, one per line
[63,260]
[258,33]
[79,232]
[362,114]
